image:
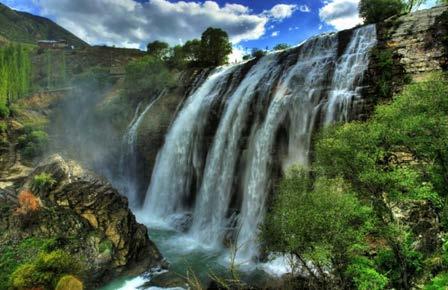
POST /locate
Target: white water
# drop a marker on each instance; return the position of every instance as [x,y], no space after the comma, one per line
[179,160]
[297,91]
[128,160]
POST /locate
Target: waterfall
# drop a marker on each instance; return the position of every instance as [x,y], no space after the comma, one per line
[179,160]
[128,160]
[243,123]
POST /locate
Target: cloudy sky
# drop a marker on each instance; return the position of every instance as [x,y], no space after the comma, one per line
[250,23]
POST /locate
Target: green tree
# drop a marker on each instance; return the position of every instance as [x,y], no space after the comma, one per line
[158,49]
[192,51]
[215,47]
[281,46]
[316,221]
[374,11]
[146,76]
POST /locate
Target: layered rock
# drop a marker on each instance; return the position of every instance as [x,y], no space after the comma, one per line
[90,219]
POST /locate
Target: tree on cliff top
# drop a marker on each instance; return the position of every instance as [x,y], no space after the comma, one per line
[158,49]
[215,47]
[373,11]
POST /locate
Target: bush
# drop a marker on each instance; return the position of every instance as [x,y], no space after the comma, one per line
[43,182]
[29,205]
[147,76]
[69,282]
[316,221]
[45,271]
[13,255]
[438,282]
[33,143]
[374,11]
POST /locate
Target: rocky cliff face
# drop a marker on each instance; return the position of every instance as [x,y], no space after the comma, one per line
[418,39]
[88,217]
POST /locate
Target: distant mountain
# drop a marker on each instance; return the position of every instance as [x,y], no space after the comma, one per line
[27,28]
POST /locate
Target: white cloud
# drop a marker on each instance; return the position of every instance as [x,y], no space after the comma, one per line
[281,11]
[131,24]
[341,14]
[275,33]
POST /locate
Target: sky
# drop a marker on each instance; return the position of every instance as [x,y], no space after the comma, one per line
[249,23]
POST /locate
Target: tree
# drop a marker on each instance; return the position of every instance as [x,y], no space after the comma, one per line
[374,11]
[281,46]
[192,50]
[258,53]
[318,222]
[412,5]
[146,76]
[215,47]
[158,49]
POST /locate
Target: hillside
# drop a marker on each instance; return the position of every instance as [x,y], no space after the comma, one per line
[24,27]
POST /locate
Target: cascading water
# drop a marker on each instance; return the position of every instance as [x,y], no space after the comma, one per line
[128,161]
[282,97]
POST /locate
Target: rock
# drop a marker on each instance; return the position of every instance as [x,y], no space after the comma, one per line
[90,219]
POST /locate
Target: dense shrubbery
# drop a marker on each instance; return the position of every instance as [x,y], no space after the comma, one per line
[33,142]
[147,76]
[400,155]
[15,75]
[45,271]
[14,255]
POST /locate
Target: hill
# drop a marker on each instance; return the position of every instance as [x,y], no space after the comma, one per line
[27,28]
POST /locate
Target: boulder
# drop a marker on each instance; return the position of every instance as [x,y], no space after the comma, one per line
[89,219]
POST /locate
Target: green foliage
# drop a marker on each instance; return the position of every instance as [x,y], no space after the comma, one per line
[147,76]
[55,69]
[212,49]
[44,271]
[281,46]
[398,157]
[258,53]
[95,79]
[438,282]
[43,182]
[215,47]
[158,49]
[15,75]
[33,142]
[13,255]
[106,246]
[318,221]
[374,11]
[364,275]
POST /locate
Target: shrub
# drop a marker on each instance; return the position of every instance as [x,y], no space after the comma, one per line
[316,221]
[28,202]
[29,205]
[438,282]
[374,11]
[43,182]
[45,271]
[69,282]
[33,143]
[147,76]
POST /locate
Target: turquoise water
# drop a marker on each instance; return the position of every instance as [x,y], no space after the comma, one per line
[185,255]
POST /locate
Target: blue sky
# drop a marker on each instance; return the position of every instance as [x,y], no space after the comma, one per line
[250,23]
